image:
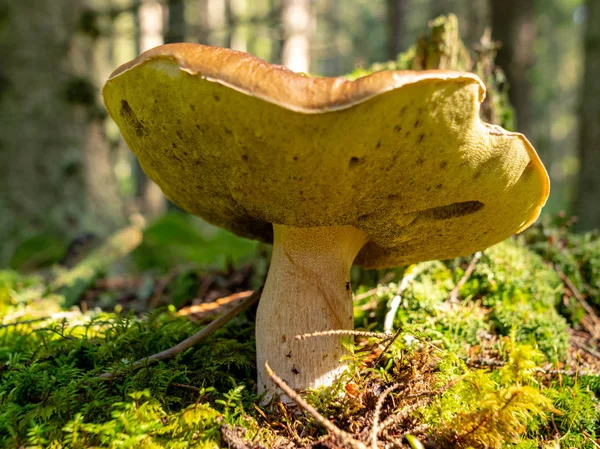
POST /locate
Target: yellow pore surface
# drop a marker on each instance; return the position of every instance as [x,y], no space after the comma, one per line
[413,167]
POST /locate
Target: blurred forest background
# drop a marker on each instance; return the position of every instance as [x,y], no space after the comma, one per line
[67,176]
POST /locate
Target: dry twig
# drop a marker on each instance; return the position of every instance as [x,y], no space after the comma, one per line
[194,339]
[343,437]
[427,397]
[381,335]
[389,344]
[377,415]
[468,272]
[212,308]
[409,275]
[595,329]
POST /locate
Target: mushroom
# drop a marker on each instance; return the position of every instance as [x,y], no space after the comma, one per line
[391,169]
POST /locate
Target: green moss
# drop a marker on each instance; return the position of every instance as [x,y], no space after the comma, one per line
[50,390]
[522,293]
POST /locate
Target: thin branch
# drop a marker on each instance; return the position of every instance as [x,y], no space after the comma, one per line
[587,349]
[187,387]
[342,436]
[212,308]
[377,416]
[396,301]
[590,311]
[468,272]
[550,372]
[380,288]
[389,344]
[162,284]
[381,335]
[194,339]
[427,397]
[18,323]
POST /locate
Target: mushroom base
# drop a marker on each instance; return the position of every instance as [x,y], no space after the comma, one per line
[307,290]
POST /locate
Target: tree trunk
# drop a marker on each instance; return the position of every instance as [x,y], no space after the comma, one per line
[396,13]
[296,22]
[229,24]
[150,199]
[57,168]
[204,25]
[176,24]
[587,204]
[513,26]
[477,16]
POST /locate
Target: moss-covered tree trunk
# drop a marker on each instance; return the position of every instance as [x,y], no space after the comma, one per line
[56,170]
[587,205]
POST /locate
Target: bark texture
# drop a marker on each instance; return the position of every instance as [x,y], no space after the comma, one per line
[587,204]
[57,172]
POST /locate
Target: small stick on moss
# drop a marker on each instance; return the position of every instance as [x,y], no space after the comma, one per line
[379,289]
[188,387]
[381,335]
[411,273]
[468,272]
[161,285]
[426,398]
[18,323]
[389,344]
[416,430]
[231,435]
[344,437]
[194,339]
[377,415]
[587,349]
[590,439]
[595,329]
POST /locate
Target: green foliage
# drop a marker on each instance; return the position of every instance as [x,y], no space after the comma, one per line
[488,410]
[577,256]
[50,392]
[37,252]
[521,293]
[176,239]
[511,292]
[580,408]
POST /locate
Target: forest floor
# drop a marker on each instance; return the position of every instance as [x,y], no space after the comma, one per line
[495,350]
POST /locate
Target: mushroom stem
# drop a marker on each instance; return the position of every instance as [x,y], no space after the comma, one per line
[307,290]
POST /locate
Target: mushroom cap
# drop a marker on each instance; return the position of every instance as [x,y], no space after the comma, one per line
[401,155]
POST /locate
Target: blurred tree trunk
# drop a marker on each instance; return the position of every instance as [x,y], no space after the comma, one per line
[587,204]
[150,199]
[176,26]
[57,164]
[296,22]
[204,25]
[442,7]
[229,24]
[513,26]
[396,14]
[477,21]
